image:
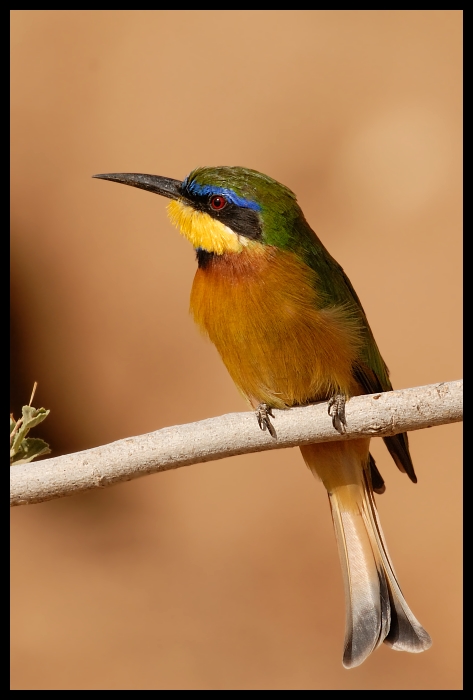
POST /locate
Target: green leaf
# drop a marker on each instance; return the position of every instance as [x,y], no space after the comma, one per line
[31,417]
[30,449]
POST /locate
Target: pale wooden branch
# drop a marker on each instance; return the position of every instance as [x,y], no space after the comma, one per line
[375,415]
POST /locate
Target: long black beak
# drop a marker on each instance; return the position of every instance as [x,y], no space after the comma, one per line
[164,186]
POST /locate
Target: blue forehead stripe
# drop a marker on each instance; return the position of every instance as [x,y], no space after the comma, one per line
[195,188]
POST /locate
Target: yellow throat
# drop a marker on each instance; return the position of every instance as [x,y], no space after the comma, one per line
[203,231]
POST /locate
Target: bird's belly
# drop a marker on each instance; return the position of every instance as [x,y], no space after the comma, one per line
[260,309]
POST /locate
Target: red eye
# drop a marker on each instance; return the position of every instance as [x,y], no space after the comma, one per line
[217,202]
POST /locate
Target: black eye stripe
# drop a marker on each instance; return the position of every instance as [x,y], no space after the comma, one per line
[243,221]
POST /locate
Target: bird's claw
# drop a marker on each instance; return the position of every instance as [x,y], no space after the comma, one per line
[336,409]
[263,412]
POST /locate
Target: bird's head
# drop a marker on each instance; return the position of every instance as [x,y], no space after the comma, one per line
[224,209]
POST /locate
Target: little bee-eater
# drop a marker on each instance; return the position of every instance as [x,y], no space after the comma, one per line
[291,330]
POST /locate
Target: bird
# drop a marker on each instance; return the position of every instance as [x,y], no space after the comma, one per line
[291,331]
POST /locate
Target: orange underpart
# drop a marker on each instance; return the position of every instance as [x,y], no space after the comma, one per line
[261,310]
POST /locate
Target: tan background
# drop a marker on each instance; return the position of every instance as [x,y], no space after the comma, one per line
[224,575]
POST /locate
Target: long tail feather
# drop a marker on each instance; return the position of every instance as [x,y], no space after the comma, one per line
[405,633]
[368,612]
[376,610]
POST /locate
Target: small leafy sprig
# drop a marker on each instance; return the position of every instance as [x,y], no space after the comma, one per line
[24,449]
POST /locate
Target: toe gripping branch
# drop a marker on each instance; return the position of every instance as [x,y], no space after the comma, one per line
[263,412]
[336,409]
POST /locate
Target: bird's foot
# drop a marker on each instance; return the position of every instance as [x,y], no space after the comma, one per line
[336,409]
[262,416]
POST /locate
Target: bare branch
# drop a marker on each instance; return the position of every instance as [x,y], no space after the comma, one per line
[375,415]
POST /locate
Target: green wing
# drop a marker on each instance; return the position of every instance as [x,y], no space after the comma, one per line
[370,370]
